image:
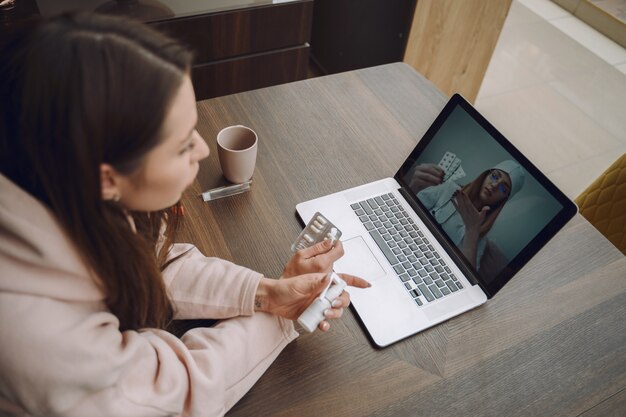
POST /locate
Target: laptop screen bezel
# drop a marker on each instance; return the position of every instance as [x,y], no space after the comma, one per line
[568,210]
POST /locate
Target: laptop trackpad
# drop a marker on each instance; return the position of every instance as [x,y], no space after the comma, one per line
[359,260]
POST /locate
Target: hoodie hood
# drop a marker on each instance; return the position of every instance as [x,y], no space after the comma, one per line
[36,256]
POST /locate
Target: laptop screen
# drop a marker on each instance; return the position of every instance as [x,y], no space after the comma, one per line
[493,206]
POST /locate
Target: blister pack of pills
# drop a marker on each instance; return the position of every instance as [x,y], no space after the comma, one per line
[451,165]
[318,229]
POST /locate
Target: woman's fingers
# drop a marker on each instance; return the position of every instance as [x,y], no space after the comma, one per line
[320,249]
[353,281]
[333,313]
[323,326]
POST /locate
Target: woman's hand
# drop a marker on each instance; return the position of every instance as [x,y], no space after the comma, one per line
[473,219]
[317,258]
[289,297]
[426,175]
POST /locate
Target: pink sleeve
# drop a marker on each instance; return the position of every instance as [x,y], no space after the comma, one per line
[203,287]
[85,366]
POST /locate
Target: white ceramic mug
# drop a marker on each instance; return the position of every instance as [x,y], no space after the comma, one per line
[237,148]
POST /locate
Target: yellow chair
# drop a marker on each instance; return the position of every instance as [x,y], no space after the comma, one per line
[603,203]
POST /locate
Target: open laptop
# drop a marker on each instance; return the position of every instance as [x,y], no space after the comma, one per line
[408,237]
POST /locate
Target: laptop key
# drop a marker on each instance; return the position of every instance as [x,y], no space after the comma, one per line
[435,291]
[396,251]
[355,206]
[399,269]
[369,226]
[383,247]
[445,291]
[366,207]
[426,292]
[379,200]
[418,302]
[404,277]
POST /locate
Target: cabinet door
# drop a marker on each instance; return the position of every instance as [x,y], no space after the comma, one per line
[240,32]
[250,72]
[352,34]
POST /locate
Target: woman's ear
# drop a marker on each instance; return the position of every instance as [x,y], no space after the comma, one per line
[109,183]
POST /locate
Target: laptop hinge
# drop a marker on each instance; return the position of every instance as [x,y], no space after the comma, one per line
[450,249]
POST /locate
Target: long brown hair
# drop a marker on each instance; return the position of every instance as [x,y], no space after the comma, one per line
[79,90]
[472,190]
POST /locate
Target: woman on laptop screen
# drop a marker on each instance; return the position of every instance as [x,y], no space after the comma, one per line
[467,213]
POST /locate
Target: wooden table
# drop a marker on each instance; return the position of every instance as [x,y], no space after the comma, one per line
[552,342]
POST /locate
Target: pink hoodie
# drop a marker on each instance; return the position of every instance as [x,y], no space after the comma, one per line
[61,352]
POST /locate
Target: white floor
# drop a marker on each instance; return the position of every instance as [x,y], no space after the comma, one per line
[557,89]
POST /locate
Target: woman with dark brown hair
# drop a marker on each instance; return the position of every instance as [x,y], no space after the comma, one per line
[467,213]
[97,144]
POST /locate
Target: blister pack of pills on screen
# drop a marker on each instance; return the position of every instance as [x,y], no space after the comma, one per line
[451,165]
[318,229]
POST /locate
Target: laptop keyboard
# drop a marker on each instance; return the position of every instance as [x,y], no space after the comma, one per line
[417,264]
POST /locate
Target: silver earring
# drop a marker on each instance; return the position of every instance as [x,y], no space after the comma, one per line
[116,197]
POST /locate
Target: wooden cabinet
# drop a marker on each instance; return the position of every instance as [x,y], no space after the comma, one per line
[239,45]
[247,48]
[352,34]
[451,42]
